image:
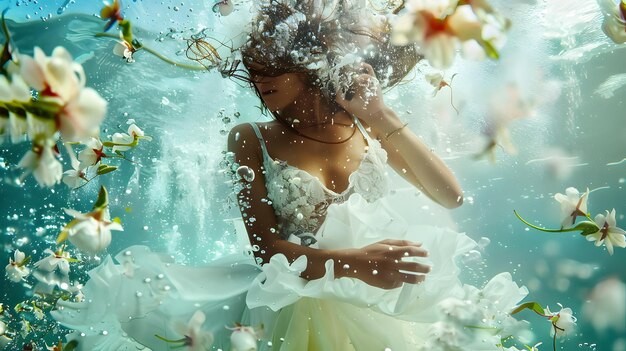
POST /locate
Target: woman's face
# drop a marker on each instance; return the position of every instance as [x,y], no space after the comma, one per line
[277,91]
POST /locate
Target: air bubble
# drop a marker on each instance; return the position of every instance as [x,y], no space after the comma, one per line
[246,173]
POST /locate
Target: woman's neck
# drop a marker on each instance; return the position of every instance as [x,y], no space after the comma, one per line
[313,108]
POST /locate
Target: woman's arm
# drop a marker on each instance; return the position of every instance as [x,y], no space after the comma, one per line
[412,159]
[385,256]
[407,153]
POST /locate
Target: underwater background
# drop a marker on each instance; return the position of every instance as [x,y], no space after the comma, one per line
[558,66]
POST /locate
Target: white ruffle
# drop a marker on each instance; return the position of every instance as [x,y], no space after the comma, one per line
[354,224]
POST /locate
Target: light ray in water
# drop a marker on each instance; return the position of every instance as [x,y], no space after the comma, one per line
[551,158]
[609,86]
[616,163]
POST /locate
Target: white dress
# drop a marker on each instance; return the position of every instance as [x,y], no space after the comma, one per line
[140,293]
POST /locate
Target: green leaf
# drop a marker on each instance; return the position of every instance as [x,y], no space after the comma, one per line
[5,56]
[127,32]
[71,346]
[587,228]
[43,109]
[103,199]
[490,50]
[26,261]
[533,306]
[104,169]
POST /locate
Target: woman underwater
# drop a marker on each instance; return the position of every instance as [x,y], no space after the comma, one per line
[339,270]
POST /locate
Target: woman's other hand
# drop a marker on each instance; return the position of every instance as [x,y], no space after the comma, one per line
[382,264]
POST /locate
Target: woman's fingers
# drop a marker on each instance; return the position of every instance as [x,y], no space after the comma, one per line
[409,251]
[396,242]
[413,278]
[413,267]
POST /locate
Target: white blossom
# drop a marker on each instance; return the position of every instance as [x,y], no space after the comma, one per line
[16,269]
[243,339]
[605,308]
[61,80]
[91,232]
[224,7]
[563,322]
[92,154]
[125,50]
[196,339]
[74,178]
[440,27]
[42,162]
[609,233]
[56,261]
[4,340]
[572,206]
[128,138]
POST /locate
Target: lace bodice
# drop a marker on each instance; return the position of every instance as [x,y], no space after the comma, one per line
[301,200]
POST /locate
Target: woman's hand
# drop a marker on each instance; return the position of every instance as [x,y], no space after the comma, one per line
[380,264]
[364,97]
[364,100]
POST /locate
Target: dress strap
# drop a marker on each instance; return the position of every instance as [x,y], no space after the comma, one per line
[361,128]
[261,140]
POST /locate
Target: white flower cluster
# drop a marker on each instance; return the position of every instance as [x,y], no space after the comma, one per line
[574,205]
[440,27]
[478,319]
[89,163]
[242,338]
[59,105]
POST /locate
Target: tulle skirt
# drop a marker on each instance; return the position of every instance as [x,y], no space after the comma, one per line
[143,294]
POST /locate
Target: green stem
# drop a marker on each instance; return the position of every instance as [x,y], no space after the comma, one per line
[169,340]
[87,182]
[544,229]
[155,53]
[554,338]
[177,64]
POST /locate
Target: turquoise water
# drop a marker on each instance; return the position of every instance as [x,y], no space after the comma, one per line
[174,199]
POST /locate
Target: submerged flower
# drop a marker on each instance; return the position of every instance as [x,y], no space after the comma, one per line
[60,81]
[572,206]
[243,338]
[4,340]
[427,25]
[609,233]
[125,141]
[195,338]
[111,12]
[563,322]
[91,232]
[92,154]
[13,91]
[16,269]
[124,49]
[436,80]
[57,347]
[42,163]
[439,27]
[224,7]
[56,261]
[606,306]
[614,25]
[74,178]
